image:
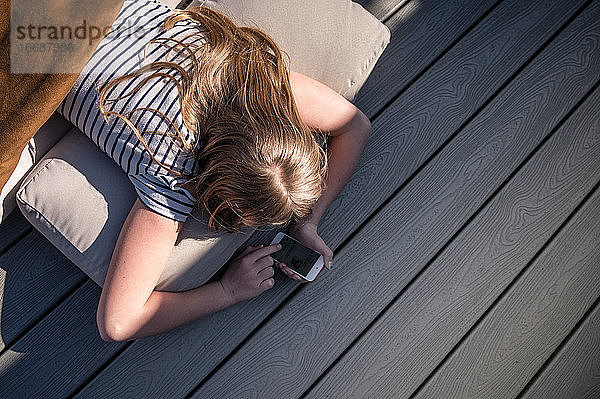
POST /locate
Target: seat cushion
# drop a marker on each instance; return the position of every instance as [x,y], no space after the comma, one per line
[79,198]
[45,138]
[336,42]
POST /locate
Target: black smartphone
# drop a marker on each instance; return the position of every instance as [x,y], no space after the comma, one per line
[304,261]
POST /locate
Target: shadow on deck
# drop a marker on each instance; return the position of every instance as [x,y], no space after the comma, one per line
[466,243]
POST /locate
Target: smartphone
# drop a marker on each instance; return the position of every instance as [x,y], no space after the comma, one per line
[303,261]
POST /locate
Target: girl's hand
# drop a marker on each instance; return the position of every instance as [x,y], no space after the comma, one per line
[306,233]
[250,274]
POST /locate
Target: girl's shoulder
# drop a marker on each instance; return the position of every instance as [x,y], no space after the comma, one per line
[120,53]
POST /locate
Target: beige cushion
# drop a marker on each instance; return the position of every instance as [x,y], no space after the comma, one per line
[336,42]
[48,135]
[78,198]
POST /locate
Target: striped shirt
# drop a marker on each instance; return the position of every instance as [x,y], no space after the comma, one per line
[121,52]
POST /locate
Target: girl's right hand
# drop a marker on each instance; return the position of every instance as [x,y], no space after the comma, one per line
[250,274]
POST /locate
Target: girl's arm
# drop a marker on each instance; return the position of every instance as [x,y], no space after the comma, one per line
[129,307]
[324,109]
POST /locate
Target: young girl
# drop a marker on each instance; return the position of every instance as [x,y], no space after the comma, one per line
[241,147]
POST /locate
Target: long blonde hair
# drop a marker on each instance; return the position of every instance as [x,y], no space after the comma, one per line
[261,163]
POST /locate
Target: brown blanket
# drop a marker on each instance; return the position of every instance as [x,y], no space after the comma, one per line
[28,99]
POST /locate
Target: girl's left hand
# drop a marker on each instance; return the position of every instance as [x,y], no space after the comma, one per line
[306,233]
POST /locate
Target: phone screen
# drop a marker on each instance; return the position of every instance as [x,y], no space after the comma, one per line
[296,256]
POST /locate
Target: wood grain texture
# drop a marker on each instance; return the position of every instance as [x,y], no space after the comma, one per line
[427,321]
[12,228]
[421,31]
[34,277]
[30,367]
[412,128]
[305,337]
[170,365]
[512,342]
[150,370]
[207,353]
[575,371]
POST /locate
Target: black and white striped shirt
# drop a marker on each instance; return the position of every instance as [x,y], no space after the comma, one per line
[119,53]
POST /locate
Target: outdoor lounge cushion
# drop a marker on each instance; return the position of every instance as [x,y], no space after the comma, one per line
[45,138]
[79,198]
[336,42]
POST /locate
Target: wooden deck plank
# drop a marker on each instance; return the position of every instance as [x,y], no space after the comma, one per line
[304,337]
[14,226]
[166,356]
[425,323]
[507,347]
[575,371]
[415,126]
[34,276]
[421,31]
[203,360]
[29,368]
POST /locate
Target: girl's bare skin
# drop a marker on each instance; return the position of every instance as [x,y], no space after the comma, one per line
[129,308]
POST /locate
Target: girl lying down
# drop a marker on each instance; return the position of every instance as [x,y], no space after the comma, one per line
[245,146]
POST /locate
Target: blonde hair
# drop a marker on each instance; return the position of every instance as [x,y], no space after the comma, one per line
[261,163]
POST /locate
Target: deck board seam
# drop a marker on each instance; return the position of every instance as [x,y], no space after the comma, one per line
[456,234]
[435,60]
[81,386]
[507,289]
[243,342]
[394,10]
[16,240]
[559,348]
[41,317]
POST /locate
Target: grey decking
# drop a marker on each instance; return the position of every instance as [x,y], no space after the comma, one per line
[467,243]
